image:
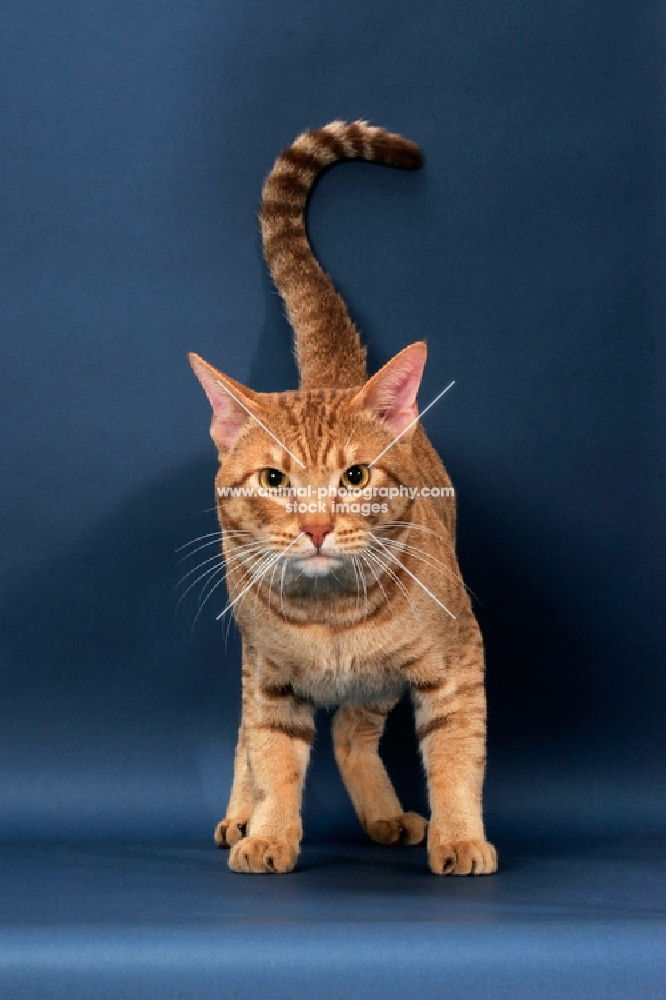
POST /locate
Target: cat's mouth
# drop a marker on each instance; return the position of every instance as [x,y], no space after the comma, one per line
[318,563]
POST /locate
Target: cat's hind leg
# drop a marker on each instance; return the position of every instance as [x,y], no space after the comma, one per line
[241,801]
[357,730]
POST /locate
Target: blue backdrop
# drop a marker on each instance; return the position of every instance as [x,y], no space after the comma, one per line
[529,252]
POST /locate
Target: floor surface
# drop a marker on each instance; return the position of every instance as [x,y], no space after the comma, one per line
[573,918]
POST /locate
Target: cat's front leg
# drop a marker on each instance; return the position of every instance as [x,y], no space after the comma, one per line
[451,728]
[278,731]
[241,801]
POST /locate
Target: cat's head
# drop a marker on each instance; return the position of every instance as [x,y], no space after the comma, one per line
[292,464]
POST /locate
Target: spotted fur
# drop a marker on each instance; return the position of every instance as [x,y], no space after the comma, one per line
[342,607]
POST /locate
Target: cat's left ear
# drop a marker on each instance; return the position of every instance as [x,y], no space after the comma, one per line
[232,402]
[391,393]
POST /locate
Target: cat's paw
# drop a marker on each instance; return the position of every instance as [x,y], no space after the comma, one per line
[230,830]
[257,854]
[463,857]
[406,829]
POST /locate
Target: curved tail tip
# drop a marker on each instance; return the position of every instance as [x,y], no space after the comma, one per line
[403,154]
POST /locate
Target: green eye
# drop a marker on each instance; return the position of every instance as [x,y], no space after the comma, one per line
[355,477]
[273,479]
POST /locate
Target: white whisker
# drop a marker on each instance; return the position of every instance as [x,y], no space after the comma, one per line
[426,558]
[409,573]
[361,574]
[372,554]
[254,573]
[213,569]
[358,589]
[204,545]
[218,557]
[442,538]
[362,556]
[284,566]
[209,594]
[276,556]
[419,527]
[209,534]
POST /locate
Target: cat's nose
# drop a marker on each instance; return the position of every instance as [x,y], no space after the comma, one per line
[317,533]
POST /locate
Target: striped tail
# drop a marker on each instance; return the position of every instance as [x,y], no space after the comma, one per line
[328,347]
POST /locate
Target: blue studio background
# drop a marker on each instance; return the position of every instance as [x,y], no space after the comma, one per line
[530,253]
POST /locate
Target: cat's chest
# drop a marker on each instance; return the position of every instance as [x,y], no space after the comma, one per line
[330,668]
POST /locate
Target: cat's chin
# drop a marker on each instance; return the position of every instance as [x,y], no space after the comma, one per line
[313,577]
[318,565]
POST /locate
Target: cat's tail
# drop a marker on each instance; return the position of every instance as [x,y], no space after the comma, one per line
[328,348]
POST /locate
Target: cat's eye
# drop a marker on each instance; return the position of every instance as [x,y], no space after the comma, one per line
[273,479]
[355,477]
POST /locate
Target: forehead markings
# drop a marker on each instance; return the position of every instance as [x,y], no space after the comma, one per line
[255,417]
[307,421]
[316,429]
[289,427]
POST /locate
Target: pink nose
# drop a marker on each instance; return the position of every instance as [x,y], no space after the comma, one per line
[317,533]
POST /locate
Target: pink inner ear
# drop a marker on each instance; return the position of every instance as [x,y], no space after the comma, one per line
[228,416]
[391,393]
[228,420]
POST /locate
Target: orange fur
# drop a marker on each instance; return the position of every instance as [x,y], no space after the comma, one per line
[337,605]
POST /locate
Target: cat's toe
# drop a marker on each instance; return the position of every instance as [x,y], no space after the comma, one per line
[407,829]
[230,830]
[463,857]
[259,855]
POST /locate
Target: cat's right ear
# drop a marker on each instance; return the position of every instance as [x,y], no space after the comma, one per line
[232,403]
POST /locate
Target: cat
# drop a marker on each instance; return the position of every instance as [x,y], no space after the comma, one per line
[342,603]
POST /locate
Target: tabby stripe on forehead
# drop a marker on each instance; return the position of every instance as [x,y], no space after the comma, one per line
[292,730]
[328,444]
[309,435]
[330,415]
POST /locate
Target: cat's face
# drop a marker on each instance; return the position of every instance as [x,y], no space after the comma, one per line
[310,476]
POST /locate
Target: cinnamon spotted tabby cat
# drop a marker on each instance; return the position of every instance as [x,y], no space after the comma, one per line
[341,574]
